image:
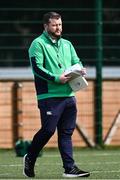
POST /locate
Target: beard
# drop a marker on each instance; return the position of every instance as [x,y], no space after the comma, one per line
[54,35]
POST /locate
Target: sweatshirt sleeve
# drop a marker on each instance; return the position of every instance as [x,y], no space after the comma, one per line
[36,57]
[75,58]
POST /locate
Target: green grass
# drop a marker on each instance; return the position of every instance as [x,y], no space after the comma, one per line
[103,164]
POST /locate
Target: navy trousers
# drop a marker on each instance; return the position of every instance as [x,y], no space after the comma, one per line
[55,113]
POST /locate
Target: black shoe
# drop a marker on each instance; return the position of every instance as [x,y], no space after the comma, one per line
[75,172]
[28,167]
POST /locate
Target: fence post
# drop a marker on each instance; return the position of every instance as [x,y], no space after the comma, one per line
[17,125]
[98,82]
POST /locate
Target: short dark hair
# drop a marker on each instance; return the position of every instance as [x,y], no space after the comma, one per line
[50,15]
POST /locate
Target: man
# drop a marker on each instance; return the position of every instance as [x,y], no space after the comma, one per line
[50,55]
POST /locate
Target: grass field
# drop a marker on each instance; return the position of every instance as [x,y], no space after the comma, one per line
[103,164]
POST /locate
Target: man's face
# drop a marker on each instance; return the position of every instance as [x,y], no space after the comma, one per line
[54,28]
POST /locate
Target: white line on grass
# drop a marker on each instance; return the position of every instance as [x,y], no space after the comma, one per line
[4,174]
[99,163]
[10,165]
[106,171]
[14,165]
[80,154]
[57,163]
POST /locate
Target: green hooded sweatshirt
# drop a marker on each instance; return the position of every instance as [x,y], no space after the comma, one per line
[49,59]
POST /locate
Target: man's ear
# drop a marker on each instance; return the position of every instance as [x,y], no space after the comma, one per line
[45,26]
